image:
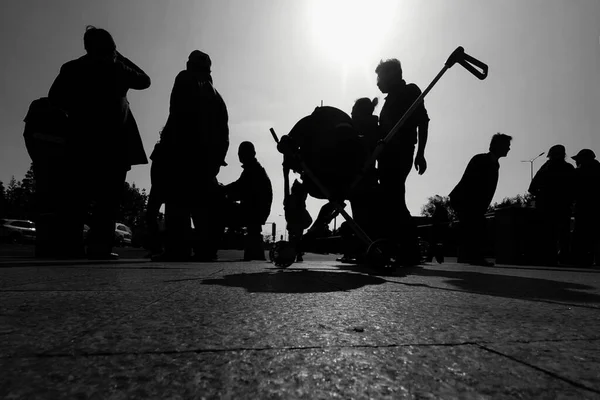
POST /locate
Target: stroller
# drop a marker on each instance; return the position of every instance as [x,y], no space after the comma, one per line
[339,174]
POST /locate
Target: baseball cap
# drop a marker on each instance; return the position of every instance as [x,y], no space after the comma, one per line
[585,154]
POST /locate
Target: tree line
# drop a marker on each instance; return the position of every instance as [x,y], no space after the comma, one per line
[520,200]
[18,201]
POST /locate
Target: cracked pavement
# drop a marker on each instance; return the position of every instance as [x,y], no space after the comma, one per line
[319,329]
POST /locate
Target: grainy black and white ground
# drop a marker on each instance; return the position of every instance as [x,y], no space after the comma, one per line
[317,330]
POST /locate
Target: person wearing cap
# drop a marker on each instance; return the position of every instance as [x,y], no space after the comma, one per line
[472,196]
[194,143]
[587,210]
[254,192]
[552,187]
[396,160]
[92,90]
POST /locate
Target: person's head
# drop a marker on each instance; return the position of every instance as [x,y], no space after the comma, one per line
[199,62]
[500,144]
[584,156]
[364,107]
[246,152]
[99,44]
[557,152]
[389,72]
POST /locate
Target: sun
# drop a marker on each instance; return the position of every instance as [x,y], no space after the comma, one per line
[351,31]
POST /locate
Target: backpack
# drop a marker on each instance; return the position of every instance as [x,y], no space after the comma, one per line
[46,131]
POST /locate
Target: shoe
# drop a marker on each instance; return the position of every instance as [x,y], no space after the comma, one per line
[103,256]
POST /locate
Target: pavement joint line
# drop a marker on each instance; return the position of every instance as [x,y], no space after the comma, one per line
[481,344]
[542,370]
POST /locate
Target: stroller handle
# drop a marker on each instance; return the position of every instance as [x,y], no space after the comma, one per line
[470,63]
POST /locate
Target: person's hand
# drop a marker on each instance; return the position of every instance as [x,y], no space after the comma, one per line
[420,164]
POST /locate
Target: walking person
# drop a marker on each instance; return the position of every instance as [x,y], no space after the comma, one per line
[587,212]
[92,90]
[396,159]
[552,187]
[254,192]
[473,195]
[195,141]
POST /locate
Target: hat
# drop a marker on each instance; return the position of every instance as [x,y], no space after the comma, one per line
[199,59]
[585,154]
[557,151]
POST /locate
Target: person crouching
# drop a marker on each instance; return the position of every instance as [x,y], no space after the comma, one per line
[255,195]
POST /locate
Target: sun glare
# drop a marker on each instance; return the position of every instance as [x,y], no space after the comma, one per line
[350,31]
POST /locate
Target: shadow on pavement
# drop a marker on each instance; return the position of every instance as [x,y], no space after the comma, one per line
[513,286]
[303,281]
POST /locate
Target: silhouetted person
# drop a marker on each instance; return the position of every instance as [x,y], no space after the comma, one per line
[156,198]
[195,140]
[472,196]
[106,141]
[396,159]
[587,212]
[47,140]
[364,201]
[553,187]
[254,192]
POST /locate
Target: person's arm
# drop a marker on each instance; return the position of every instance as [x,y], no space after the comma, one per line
[222,145]
[133,75]
[420,162]
[422,119]
[236,189]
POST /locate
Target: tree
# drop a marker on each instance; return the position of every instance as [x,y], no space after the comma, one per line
[27,193]
[438,201]
[13,198]
[2,200]
[131,212]
[520,200]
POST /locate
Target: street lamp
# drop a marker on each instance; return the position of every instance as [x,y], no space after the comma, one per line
[532,160]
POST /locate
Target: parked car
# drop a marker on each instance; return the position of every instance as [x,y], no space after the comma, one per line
[17,230]
[122,235]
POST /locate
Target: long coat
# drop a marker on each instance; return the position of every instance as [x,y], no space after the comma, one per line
[94,95]
[195,139]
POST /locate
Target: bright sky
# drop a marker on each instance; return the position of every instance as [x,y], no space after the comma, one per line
[275,60]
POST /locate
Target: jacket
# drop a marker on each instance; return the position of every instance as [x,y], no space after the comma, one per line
[94,96]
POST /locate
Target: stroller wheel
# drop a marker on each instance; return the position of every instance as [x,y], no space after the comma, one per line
[283,254]
[383,253]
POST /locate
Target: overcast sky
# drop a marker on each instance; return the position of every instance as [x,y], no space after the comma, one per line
[275,60]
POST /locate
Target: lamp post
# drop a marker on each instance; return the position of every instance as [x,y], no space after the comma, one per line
[532,160]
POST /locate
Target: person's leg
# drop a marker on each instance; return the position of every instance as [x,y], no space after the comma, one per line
[472,237]
[209,221]
[178,229]
[401,226]
[108,193]
[326,215]
[253,246]
[155,201]
[583,236]
[564,235]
